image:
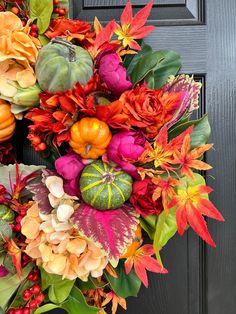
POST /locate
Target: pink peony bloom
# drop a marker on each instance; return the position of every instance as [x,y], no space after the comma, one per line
[70,167]
[3,271]
[113,74]
[124,149]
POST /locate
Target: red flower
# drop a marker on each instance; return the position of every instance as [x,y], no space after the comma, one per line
[150,109]
[6,153]
[142,200]
[79,30]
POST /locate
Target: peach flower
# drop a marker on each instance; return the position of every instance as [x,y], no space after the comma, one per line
[58,247]
[18,54]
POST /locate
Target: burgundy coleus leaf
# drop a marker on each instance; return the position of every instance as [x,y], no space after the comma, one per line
[111,230]
[41,192]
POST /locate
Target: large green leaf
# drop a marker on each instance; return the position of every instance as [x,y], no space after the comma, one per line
[149,225]
[46,308]
[200,134]
[169,65]
[144,65]
[59,292]
[5,230]
[132,60]
[10,284]
[165,229]
[125,285]
[162,63]
[76,303]
[41,11]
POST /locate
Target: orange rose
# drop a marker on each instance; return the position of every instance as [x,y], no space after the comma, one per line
[150,109]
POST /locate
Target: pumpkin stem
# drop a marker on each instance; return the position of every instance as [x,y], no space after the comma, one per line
[108,177]
[72,52]
[87,148]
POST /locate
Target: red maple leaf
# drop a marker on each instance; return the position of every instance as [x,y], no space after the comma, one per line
[192,204]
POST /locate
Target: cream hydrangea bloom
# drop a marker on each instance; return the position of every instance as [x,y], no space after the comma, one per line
[59,248]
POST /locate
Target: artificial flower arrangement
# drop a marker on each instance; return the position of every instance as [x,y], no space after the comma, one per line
[113,118]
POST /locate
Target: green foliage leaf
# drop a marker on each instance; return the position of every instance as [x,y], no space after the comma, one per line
[144,65]
[10,284]
[5,230]
[165,229]
[1,311]
[132,60]
[169,65]
[41,11]
[125,285]
[149,225]
[46,308]
[200,134]
[76,303]
[162,63]
[59,292]
[8,264]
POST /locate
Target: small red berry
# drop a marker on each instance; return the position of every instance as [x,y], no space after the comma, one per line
[11,311]
[30,276]
[23,212]
[34,27]
[15,10]
[17,227]
[18,219]
[18,311]
[36,140]
[56,10]
[35,278]
[61,11]
[35,289]
[55,2]
[42,146]
[33,304]
[34,34]
[26,310]
[23,22]
[39,298]
[26,295]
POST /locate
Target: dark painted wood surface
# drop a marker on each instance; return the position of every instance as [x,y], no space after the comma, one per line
[201,280]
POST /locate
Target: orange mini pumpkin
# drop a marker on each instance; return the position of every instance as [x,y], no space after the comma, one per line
[137,241]
[90,137]
[7,121]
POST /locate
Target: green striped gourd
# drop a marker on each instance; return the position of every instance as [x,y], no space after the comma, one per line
[103,187]
[6,214]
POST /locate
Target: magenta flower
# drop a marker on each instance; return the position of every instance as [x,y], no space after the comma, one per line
[3,271]
[125,149]
[113,73]
[70,167]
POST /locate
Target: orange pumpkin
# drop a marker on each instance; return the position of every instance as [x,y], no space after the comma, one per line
[137,241]
[7,121]
[90,137]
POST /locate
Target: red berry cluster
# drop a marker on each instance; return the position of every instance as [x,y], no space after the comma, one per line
[33,296]
[58,10]
[37,143]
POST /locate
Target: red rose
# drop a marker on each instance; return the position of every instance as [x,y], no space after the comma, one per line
[141,198]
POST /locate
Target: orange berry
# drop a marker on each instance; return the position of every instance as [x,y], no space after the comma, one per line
[15,10]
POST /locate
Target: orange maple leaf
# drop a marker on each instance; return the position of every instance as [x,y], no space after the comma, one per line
[187,158]
[142,261]
[133,27]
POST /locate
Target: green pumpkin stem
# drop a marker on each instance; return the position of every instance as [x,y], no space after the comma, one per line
[72,52]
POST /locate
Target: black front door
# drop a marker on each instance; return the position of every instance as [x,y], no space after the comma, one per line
[201,280]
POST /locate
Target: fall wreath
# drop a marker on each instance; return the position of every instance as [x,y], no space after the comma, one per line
[112,116]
